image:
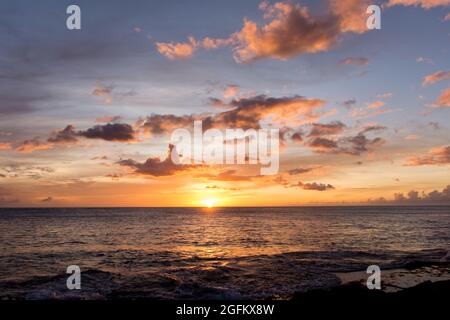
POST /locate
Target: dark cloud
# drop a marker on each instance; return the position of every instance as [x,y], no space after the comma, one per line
[332,128]
[349,103]
[297,137]
[218,103]
[100,158]
[299,171]
[48,199]
[352,145]
[434,125]
[414,197]
[246,113]
[160,124]
[315,186]
[119,132]
[374,128]
[155,167]
[305,186]
[110,132]
[323,144]
[67,135]
[294,135]
[360,143]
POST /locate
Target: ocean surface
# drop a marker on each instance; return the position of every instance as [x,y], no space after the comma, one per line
[217,253]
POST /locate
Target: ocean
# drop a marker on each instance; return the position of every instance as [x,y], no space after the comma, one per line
[216,253]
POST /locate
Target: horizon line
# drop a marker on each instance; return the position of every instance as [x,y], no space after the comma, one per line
[225,207]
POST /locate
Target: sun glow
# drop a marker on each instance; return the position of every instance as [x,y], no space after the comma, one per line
[210,202]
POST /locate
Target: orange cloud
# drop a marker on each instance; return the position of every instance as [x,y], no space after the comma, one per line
[351,13]
[177,50]
[33,145]
[435,77]
[230,91]
[426,4]
[290,30]
[5,145]
[293,30]
[444,99]
[375,105]
[245,113]
[295,110]
[435,156]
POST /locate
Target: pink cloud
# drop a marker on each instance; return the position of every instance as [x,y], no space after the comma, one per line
[426,4]
[436,156]
[435,77]
[375,105]
[230,91]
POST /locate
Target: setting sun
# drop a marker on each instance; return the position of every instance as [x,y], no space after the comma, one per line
[209,202]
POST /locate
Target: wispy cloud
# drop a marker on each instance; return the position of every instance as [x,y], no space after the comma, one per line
[435,77]
[426,4]
[436,156]
[5,145]
[356,61]
[34,144]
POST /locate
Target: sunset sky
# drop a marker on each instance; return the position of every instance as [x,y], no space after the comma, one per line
[86,115]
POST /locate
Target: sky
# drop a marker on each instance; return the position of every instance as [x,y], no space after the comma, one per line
[86,115]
